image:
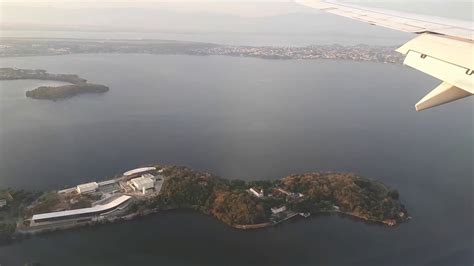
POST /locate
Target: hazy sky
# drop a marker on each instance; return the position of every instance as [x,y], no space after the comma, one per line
[250,7]
[197,15]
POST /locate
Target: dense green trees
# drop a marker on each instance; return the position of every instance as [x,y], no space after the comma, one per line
[237,208]
[226,200]
[394,194]
[229,201]
[79,85]
[353,194]
[17,200]
[66,91]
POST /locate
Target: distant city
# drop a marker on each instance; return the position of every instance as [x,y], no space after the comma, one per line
[36,47]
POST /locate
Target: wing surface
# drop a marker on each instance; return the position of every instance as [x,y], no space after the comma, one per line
[444,49]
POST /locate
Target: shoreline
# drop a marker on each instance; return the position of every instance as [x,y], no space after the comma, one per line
[359,52]
[22,234]
[210,55]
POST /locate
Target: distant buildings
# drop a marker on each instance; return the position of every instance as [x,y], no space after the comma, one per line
[383,54]
[87,188]
[257,194]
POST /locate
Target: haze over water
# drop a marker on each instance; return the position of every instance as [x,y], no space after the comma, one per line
[250,119]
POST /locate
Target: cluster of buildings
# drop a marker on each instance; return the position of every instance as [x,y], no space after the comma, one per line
[139,179]
[383,54]
[115,195]
[277,211]
[290,194]
[142,179]
[259,193]
[380,54]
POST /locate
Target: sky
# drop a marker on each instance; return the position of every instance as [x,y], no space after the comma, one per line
[265,16]
[250,8]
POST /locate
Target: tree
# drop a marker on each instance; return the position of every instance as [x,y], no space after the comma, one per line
[394,194]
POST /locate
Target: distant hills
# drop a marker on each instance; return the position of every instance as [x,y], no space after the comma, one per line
[297,20]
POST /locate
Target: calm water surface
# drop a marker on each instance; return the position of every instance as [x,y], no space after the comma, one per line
[243,118]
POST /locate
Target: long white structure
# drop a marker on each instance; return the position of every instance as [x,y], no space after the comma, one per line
[87,187]
[79,213]
[139,171]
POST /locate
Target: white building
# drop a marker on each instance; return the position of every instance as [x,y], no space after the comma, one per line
[276,210]
[257,194]
[3,203]
[87,187]
[143,183]
[284,191]
[83,214]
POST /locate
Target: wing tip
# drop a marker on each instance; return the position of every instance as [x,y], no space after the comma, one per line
[442,94]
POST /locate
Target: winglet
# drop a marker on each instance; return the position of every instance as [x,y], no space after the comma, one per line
[447,59]
[442,94]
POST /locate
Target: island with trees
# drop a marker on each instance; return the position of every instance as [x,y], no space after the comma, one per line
[78,85]
[237,203]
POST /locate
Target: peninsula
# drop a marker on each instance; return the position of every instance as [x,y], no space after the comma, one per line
[78,85]
[237,203]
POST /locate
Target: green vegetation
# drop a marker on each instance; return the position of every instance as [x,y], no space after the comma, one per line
[226,200]
[78,85]
[52,201]
[353,194]
[66,91]
[16,202]
[46,203]
[230,201]
[14,73]
[238,207]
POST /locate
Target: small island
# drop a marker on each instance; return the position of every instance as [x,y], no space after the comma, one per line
[237,203]
[78,85]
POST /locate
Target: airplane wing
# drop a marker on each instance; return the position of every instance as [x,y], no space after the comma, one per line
[444,49]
